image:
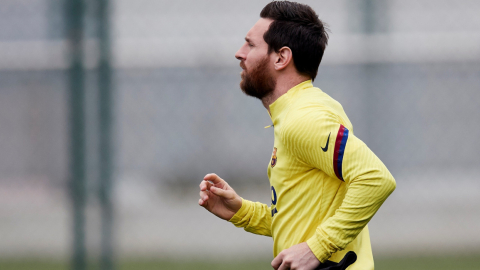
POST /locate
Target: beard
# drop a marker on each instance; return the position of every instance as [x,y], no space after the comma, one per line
[257,82]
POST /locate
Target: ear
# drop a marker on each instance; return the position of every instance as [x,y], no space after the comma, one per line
[284,57]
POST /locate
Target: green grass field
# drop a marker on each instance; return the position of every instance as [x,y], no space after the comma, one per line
[418,263]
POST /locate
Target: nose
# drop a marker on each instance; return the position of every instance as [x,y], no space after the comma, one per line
[241,53]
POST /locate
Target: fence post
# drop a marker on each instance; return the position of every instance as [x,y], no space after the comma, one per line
[105,130]
[74,16]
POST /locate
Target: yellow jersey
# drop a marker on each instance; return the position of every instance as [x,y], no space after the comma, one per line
[326,184]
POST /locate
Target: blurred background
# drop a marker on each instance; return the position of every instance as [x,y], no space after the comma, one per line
[111,113]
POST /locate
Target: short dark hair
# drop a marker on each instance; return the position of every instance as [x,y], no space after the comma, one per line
[298,27]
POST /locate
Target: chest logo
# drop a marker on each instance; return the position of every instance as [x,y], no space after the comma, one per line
[274,158]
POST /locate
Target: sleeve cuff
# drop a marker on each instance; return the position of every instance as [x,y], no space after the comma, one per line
[318,249]
[238,218]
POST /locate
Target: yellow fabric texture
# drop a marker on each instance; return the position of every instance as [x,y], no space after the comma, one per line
[309,202]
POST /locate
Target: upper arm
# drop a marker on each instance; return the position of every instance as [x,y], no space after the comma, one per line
[318,138]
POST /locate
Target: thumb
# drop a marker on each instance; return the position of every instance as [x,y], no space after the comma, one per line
[221,193]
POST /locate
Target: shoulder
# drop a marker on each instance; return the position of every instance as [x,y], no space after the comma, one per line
[312,114]
[312,107]
[308,123]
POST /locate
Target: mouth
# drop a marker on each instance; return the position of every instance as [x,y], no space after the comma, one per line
[242,65]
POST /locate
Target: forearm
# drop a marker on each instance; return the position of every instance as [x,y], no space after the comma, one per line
[254,217]
[364,197]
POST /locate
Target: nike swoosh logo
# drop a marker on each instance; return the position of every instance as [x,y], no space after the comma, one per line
[326,146]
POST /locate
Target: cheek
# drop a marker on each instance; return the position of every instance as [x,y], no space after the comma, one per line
[253,59]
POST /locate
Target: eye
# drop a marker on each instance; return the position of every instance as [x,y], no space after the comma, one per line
[250,45]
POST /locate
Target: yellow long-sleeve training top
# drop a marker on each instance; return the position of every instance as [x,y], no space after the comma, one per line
[326,183]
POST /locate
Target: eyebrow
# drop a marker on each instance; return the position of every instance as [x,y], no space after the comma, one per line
[248,40]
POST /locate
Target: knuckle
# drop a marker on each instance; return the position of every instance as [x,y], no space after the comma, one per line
[288,260]
[294,265]
[230,195]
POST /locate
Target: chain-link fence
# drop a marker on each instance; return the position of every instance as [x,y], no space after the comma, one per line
[406,72]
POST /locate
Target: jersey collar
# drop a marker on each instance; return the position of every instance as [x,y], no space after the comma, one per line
[282,102]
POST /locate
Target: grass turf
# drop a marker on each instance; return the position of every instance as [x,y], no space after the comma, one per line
[417,263]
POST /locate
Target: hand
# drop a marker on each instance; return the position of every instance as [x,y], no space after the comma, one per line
[296,257]
[219,198]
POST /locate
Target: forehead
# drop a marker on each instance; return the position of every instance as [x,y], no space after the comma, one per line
[257,31]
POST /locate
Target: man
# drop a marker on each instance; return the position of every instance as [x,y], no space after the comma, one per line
[326,183]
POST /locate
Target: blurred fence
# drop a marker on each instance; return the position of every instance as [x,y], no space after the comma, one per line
[406,72]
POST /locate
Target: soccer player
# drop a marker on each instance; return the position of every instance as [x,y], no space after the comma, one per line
[326,183]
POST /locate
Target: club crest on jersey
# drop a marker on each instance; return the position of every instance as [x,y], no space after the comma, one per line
[274,157]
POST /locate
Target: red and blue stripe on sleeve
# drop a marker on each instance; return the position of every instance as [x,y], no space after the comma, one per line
[340,144]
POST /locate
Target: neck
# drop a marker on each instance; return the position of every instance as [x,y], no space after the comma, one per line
[282,86]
